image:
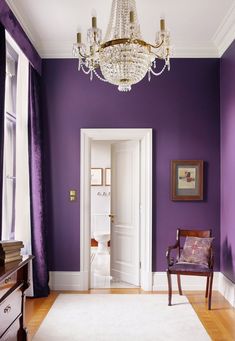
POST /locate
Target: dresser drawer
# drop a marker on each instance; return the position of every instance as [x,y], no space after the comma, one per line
[11,333]
[10,309]
[7,284]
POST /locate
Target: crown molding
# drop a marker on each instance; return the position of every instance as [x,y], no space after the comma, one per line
[34,39]
[225,34]
[214,48]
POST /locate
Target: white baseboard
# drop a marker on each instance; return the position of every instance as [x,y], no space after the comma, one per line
[70,280]
[227,289]
[65,280]
[187,282]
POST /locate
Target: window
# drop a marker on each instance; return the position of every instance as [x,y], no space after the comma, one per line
[9,173]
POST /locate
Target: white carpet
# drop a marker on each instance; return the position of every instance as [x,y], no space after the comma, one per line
[120,318]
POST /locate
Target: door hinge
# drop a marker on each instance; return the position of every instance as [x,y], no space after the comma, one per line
[140,264]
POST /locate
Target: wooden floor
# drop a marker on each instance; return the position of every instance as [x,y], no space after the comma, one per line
[219,322]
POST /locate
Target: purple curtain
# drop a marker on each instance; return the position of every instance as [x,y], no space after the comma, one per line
[37,193]
[2,99]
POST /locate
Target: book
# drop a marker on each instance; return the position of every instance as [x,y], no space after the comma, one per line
[7,243]
[13,259]
[10,251]
[7,255]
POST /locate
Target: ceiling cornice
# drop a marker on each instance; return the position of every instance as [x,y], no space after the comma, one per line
[31,34]
[225,33]
[223,37]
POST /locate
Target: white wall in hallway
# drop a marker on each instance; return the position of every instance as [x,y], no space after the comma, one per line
[100,195]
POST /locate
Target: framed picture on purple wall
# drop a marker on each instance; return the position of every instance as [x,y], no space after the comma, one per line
[186,180]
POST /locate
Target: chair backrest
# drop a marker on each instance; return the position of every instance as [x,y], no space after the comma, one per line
[193,233]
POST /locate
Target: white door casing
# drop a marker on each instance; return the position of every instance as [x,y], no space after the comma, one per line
[145,138]
[125,204]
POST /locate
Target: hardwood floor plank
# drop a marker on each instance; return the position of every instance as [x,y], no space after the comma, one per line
[219,322]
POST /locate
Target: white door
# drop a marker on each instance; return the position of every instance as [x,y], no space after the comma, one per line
[125,257]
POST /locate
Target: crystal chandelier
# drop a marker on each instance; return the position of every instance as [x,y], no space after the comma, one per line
[123,57]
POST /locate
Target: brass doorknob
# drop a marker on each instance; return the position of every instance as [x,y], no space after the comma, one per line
[112,217]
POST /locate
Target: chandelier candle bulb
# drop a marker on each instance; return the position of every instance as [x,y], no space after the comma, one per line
[94,22]
[79,37]
[162,25]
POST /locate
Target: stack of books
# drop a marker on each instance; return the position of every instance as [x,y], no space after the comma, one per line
[10,251]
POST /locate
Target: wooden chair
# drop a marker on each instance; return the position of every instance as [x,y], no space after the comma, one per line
[189,268]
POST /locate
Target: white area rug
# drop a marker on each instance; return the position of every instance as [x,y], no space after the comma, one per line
[120,318]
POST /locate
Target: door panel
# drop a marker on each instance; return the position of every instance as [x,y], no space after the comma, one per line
[125,210]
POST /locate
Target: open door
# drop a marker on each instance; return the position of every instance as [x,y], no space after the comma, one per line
[125,219]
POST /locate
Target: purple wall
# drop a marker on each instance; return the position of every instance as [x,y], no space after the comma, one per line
[181,106]
[227,96]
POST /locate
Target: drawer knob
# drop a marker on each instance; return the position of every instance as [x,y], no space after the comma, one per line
[7,280]
[7,309]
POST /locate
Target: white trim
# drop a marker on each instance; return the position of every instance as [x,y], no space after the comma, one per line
[70,280]
[227,288]
[225,33]
[188,282]
[65,280]
[213,48]
[145,138]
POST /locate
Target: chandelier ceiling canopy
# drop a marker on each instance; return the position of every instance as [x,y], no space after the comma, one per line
[122,58]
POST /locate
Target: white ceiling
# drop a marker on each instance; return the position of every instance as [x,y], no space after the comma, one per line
[199,28]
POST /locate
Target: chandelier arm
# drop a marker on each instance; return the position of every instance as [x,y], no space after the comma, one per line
[160,72]
[84,56]
[156,46]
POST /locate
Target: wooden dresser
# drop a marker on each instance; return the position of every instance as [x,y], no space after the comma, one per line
[13,283]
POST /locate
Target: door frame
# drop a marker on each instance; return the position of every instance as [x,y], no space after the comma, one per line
[145,138]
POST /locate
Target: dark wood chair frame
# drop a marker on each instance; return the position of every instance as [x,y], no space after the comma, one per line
[171,261]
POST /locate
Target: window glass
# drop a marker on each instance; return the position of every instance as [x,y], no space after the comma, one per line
[9,171]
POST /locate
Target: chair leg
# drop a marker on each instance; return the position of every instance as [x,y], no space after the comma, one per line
[210,291]
[179,284]
[207,286]
[169,288]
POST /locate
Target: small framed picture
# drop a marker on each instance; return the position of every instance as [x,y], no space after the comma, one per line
[107,176]
[186,180]
[96,176]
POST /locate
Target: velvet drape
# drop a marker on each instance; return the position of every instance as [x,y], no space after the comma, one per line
[37,190]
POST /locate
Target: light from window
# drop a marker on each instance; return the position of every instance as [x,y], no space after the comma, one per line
[9,171]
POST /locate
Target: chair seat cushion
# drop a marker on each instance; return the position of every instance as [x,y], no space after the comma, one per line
[189,267]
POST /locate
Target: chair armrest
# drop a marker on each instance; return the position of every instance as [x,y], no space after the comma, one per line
[170,260]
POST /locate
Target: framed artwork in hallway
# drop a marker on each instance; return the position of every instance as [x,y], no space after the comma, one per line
[186,180]
[96,176]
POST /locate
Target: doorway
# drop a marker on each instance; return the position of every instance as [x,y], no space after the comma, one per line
[144,138]
[115,214]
